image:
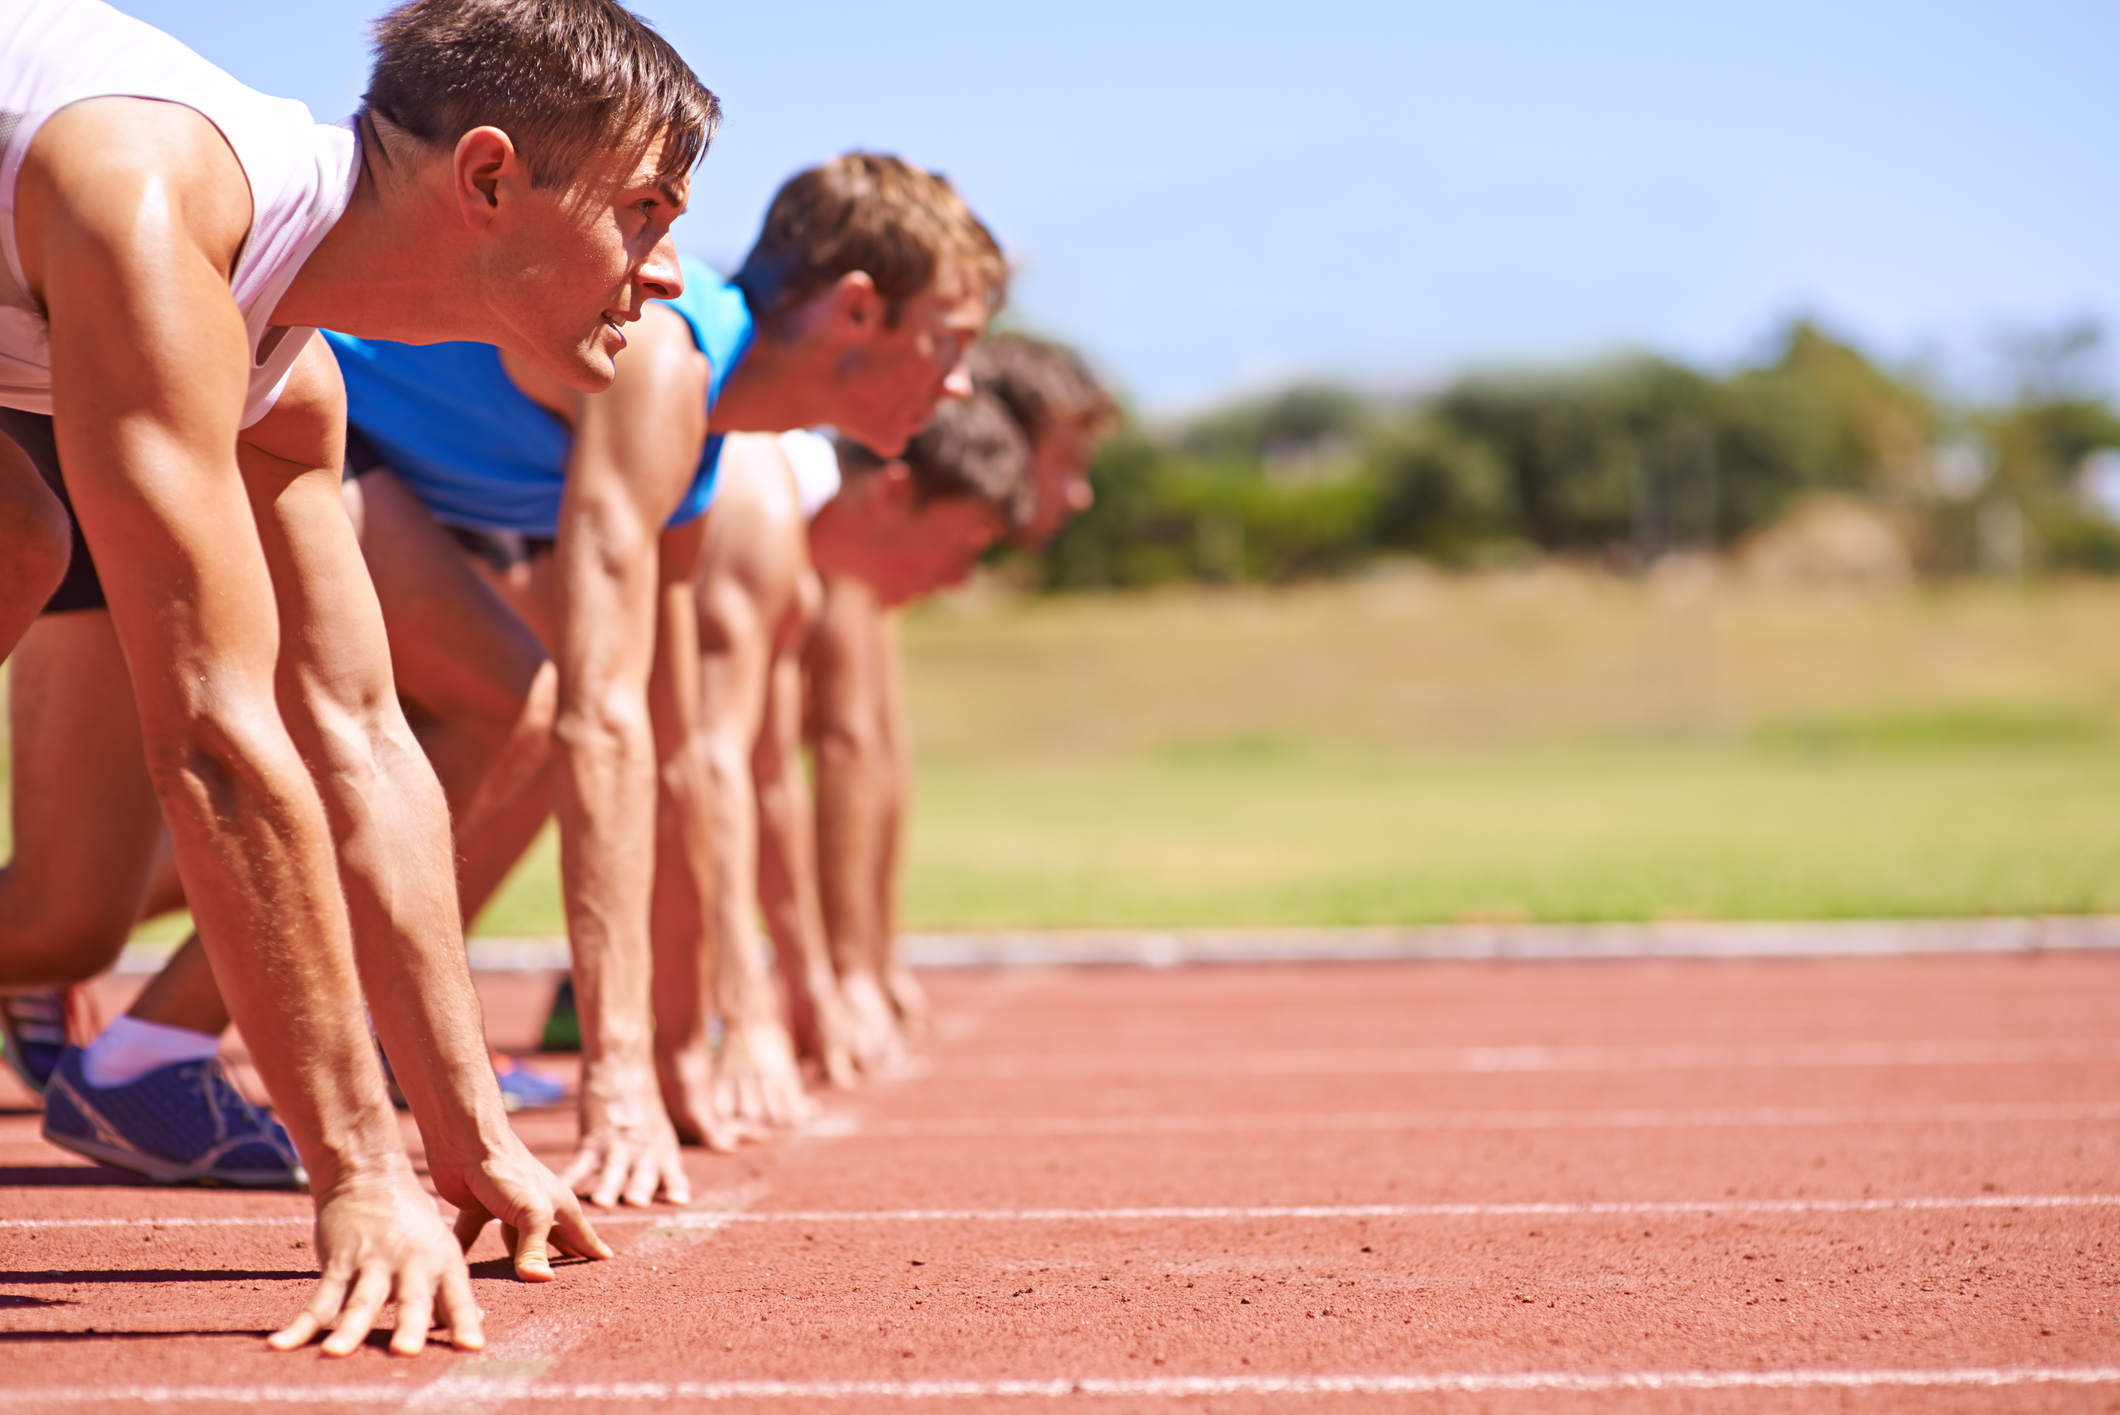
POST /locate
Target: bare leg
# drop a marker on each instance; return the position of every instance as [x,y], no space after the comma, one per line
[184,994]
[86,821]
[36,542]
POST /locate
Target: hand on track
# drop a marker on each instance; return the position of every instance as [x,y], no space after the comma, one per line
[538,1213]
[628,1150]
[688,1091]
[878,1044]
[908,1000]
[827,1032]
[380,1239]
[757,1077]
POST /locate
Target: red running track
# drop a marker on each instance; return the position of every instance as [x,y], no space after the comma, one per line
[1668,1186]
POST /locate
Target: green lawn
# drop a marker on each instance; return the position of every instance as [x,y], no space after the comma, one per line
[1412,747]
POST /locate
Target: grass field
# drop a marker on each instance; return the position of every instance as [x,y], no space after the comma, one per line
[1411,747]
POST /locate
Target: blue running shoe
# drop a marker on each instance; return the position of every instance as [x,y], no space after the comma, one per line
[33,1031]
[181,1124]
[524,1089]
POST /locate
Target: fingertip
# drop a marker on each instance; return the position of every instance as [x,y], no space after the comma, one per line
[468,1340]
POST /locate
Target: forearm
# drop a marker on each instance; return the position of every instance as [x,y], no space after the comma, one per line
[787,851]
[607,786]
[849,844]
[251,838]
[741,986]
[394,860]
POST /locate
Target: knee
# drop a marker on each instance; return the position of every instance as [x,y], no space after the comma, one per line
[57,937]
[36,539]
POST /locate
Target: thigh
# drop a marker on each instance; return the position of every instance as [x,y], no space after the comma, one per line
[86,819]
[455,644]
[36,537]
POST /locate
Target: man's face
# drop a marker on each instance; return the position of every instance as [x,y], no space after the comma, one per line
[1060,458]
[575,264]
[890,375]
[902,549]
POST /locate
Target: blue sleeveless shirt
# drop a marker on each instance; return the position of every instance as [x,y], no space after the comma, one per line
[477,450]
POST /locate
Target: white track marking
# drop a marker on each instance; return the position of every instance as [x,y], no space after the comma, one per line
[1060,1387]
[709,1222]
[1708,1207]
[1478,1059]
[1630,1119]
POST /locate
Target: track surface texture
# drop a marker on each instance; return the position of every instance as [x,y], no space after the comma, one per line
[1873,1184]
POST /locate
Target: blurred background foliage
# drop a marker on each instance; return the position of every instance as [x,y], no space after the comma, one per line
[1620,463]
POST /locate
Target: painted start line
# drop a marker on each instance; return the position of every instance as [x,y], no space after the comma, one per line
[450,1390]
[1707,1208]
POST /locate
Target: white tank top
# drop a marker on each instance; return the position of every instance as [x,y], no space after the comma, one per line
[816,468]
[57,52]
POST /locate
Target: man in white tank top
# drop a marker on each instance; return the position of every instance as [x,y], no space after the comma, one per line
[171,241]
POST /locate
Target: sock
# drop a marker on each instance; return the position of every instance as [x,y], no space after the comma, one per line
[130,1048]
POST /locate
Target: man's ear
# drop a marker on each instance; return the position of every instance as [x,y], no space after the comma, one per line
[485,162]
[856,307]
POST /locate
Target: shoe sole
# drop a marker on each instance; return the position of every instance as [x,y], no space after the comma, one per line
[166,1172]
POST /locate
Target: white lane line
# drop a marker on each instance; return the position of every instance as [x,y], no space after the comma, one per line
[1513,1059]
[1450,1382]
[1350,1211]
[711,1221]
[1631,1119]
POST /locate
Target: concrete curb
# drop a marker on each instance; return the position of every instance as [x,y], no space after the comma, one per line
[1800,938]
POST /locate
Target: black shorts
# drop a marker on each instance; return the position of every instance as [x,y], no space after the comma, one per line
[503,550]
[32,432]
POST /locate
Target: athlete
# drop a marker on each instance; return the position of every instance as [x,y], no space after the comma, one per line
[891,536]
[864,780]
[964,480]
[465,460]
[171,242]
[753,596]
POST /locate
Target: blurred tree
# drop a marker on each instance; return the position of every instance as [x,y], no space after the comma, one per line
[1624,460]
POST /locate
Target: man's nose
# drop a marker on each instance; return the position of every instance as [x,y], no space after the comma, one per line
[660,276]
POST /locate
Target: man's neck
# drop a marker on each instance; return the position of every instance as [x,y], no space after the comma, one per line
[780,385]
[393,266]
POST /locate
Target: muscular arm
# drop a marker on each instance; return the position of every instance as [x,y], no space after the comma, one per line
[128,218]
[787,855]
[746,577]
[853,781]
[894,808]
[635,450]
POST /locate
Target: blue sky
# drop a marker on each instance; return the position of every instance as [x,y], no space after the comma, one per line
[1217,197]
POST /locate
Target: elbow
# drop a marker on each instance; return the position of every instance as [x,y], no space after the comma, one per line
[610,726]
[222,762]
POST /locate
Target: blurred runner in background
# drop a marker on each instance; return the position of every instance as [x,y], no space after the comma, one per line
[857,700]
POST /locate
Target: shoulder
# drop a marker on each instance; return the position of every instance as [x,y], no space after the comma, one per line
[130,168]
[660,361]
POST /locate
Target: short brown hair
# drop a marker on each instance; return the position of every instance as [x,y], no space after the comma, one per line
[564,79]
[871,212]
[1042,383]
[973,451]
